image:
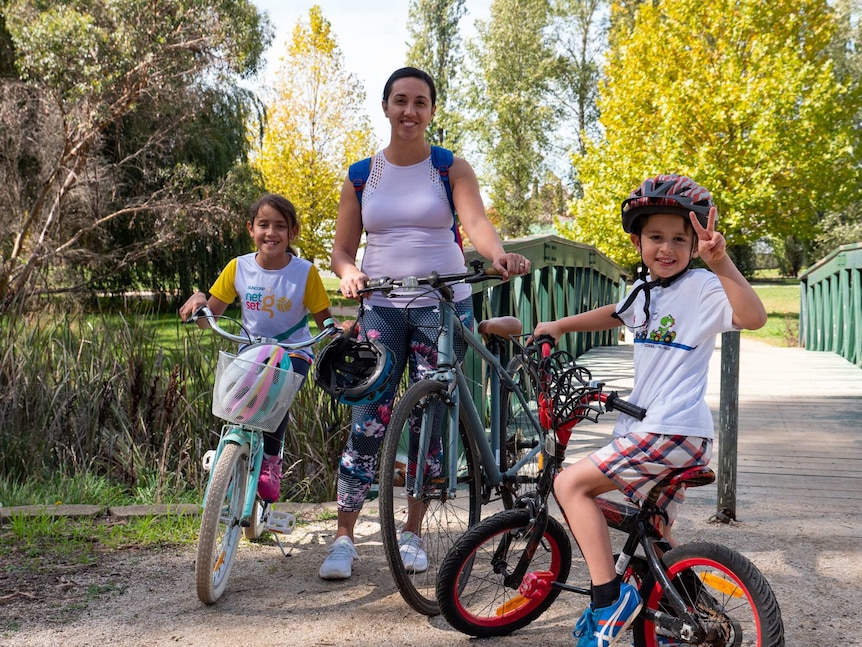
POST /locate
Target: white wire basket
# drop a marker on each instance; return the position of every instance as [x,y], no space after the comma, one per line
[253,394]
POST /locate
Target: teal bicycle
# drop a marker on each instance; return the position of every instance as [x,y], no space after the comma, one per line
[253,392]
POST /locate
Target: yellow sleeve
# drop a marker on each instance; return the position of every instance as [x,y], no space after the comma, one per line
[315,298]
[223,289]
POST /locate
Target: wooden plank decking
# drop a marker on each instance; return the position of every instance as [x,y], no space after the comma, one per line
[800,424]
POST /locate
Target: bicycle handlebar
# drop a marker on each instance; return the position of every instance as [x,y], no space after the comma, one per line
[614,401]
[204,312]
[433,280]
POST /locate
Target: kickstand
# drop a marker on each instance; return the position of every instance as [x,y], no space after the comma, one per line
[284,553]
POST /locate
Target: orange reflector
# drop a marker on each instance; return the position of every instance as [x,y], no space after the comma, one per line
[721,585]
[512,605]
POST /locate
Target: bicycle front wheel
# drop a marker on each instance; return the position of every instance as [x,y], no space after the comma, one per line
[732,598]
[442,510]
[221,522]
[518,437]
[472,591]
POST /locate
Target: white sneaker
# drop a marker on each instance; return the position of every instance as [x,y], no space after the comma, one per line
[413,554]
[338,565]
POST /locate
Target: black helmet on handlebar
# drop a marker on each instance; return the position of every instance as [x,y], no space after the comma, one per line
[354,372]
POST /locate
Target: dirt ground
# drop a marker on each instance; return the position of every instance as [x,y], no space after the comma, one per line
[147,597]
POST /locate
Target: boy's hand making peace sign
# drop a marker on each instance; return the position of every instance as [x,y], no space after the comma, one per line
[711,246]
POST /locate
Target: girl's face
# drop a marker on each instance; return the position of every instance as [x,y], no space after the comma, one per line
[666,244]
[271,234]
[409,108]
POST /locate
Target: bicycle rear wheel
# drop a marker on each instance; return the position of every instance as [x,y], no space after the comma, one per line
[734,601]
[221,522]
[472,592]
[446,517]
[518,436]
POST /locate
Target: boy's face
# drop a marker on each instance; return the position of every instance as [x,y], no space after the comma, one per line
[666,244]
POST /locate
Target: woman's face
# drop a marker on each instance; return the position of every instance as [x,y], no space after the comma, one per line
[409,108]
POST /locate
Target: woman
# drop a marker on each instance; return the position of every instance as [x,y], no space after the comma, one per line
[409,232]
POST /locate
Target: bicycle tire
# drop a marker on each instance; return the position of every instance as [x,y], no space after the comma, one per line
[445,519]
[518,436]
[221,523]
[733,598]
[471,591]
[258,521]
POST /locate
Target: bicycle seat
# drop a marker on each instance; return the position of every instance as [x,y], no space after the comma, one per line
[500,326]
[690,477]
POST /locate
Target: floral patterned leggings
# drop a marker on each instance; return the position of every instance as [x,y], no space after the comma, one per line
[411,335]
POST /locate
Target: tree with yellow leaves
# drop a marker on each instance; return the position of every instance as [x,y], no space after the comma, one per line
[743,96]
[315,128]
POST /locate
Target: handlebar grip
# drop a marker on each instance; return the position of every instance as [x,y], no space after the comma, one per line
[614,401]
[545,344]
[376,283]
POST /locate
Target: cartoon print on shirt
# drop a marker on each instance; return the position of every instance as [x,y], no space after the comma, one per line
[661,335]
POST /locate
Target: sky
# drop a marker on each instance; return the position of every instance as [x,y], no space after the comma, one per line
[372,36]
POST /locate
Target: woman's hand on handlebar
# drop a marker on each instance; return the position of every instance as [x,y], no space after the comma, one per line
[511,264]
[352,282]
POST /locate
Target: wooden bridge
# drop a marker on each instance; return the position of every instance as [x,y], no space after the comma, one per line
[800,427]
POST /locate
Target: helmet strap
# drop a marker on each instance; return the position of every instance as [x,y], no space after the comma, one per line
[645,287]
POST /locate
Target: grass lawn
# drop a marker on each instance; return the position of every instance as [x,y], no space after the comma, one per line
[781,299]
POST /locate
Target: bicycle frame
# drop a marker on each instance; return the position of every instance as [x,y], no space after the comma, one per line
[449,372]
[242,436]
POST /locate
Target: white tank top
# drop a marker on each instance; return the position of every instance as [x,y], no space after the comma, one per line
[408,224]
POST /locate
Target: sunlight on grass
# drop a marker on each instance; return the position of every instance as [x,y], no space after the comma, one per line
[781,300]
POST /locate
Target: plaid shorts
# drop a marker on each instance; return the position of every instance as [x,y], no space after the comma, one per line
[636,461]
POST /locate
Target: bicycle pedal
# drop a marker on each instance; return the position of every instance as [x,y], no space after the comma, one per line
[278,521]
[208,459]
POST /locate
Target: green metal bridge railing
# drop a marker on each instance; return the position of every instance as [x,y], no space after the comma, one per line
[566,278]
[830,309]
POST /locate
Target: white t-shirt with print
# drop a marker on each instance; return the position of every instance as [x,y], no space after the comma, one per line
[672,354]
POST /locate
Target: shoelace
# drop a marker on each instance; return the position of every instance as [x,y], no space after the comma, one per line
[586,626]
[343,549]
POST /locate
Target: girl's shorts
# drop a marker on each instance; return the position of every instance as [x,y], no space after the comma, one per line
[636,461]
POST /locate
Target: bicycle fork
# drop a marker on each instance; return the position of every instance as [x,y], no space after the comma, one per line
[683,623]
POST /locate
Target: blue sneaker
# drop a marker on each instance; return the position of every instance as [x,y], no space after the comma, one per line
[602,627]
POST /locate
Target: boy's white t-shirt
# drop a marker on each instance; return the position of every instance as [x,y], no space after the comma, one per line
[274,303]
[672,355]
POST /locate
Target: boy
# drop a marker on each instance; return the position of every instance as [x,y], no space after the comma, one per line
[675,314]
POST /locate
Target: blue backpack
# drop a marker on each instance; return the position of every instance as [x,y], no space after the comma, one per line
[441,158]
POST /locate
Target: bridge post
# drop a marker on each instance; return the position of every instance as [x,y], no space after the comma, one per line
[728,432]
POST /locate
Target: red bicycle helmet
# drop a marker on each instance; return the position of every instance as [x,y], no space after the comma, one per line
[667,194]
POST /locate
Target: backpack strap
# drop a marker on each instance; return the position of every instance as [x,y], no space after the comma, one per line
[358,174]
[441,158]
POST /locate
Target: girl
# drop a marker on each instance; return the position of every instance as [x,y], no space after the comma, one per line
[277,290]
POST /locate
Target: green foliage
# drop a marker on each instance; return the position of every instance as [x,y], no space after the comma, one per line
[123,132]
[108,410]
[509,98]
[313,131]
[436,48]
[781,300]
[742,96]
